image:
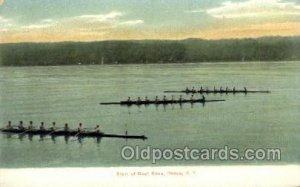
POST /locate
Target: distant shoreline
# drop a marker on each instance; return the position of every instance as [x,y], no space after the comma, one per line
[265,49]
[185,63]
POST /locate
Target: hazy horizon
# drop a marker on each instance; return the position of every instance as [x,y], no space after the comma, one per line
[93,20]
[124,40]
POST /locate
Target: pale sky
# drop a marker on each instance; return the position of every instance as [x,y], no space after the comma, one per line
[96,20]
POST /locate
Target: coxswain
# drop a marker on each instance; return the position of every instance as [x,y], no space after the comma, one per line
[8,126]
[203,98]
[245,89]
[66,128]
[30,126]
[20,126]
[80,129]
[53,128]
[42,127]
[97,129]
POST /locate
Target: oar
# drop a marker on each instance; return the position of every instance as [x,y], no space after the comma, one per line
[48,135]
[18,134]
[25,131]
[33,128]
[15,126]
[21,133]
[52,131]
[76,135]
[12,127]
[91,128]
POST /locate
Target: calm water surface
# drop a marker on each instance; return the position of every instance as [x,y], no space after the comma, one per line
[72,94]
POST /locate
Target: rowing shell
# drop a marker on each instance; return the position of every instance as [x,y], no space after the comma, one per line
[73,133]
[217,91]
[160,102]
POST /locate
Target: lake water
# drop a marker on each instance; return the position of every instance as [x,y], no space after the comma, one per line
[72,94]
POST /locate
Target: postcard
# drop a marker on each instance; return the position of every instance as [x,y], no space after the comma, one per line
[149,93]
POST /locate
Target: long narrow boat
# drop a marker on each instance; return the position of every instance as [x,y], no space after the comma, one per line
[218,91]
[72,133]
[163,102]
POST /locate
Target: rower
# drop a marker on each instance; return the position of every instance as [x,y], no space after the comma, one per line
[173,98]
[53,128]
[146,99]
[192,97]
[215,89]
[42,126]
[201,89]
[164,99]
[80,129]
[8,126]
[221,89]
[20,126]
[97,129]
[226,89]
[203,98]
[139,99]
[187,89]
[156,99]
[245,89]
[66,128]
[233,89]
[180,98]
[193,89]
[30,125]
[129,100]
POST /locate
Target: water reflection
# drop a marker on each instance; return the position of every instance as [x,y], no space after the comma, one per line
[21,136]
[8,136]
[98,140]
[161,107]
[80,140]
[53,138]
[192,105]
[164,107]
[30,136]
[66,138]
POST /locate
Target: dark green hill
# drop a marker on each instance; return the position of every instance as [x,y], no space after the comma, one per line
[150,51]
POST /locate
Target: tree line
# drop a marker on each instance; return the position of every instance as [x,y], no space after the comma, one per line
[150,51]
